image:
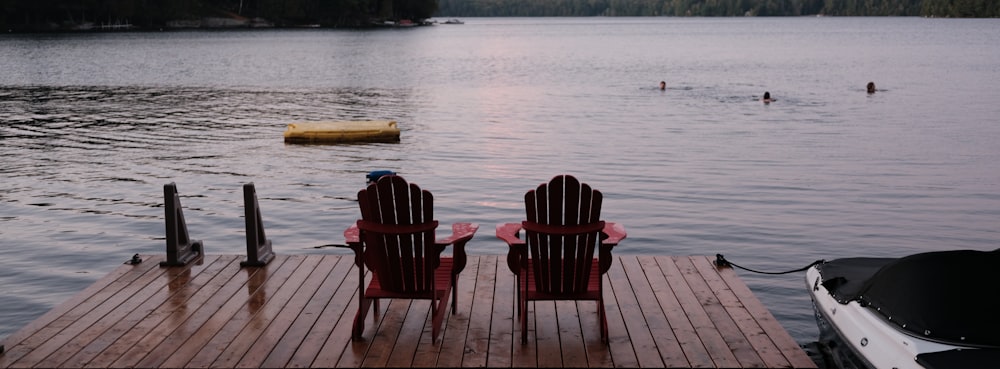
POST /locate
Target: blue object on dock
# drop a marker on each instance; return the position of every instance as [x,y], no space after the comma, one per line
[376,174]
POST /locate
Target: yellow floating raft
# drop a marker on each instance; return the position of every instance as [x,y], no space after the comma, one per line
[346,131]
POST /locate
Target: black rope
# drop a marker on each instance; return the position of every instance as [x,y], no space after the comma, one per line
[722,262]
[330,245]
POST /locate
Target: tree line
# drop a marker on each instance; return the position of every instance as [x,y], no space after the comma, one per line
[718,8]
[40,15]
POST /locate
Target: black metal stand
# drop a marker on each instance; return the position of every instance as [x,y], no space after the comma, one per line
[258,246]
[180,249]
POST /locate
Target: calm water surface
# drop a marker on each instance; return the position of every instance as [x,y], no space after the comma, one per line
[93,125]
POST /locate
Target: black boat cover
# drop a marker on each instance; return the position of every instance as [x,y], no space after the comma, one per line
[964,359]
[945,296]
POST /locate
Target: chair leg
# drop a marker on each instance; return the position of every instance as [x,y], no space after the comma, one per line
[602,316]
[517,293]
[438,308]
[359,318]
[523,306]
[454,294]
[363,303]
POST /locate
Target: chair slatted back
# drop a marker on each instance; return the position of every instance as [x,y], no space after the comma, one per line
[563,229]
[397,229]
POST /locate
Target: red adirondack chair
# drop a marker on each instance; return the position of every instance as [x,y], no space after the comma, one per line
[555,260]
[395,239]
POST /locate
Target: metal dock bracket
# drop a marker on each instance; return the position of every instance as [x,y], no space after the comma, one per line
[180,249]
[258,246]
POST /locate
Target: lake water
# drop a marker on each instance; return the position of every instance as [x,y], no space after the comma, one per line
[93,125]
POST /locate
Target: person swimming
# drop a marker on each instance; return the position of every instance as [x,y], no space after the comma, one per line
[663,85]
[871,87]
[767,97]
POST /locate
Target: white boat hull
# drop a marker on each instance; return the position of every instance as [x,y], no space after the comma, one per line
[867,334]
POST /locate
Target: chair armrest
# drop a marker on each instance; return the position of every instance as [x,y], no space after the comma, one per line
[460,234]
[352,235]
[508,233]
[518,248]
[614,233]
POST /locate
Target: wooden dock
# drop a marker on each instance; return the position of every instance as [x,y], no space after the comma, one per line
[296,312]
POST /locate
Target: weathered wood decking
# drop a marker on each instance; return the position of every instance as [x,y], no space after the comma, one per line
[297,312]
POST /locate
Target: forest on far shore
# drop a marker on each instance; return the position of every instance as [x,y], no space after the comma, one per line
[79,15]
[720,8]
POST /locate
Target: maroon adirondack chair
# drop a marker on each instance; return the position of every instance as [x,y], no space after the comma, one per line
[395,239]
[556,259]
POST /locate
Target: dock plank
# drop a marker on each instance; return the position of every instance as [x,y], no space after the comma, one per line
[261,318]
[35,345]
[381,344]
[664,338]
[477,341]
[76,337]
[546,334]
[701,319]
[337,349]
[16,345]
[411,330]
[242,312]
[772,329]
[639,335]
[619,343]
[297,312]
[670,289]
[571,344]
[152,313]
[187,337]
[314,274]
[295,337]
[503,318]
[455,326]
[171,332]
[766,352]
[722,321]
[341,285]
[598,353]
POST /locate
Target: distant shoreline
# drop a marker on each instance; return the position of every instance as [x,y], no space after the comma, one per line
[202,24]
